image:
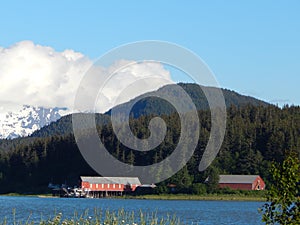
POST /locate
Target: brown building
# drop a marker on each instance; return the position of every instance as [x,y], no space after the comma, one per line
[242,182]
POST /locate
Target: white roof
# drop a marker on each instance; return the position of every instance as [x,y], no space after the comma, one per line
[240,179]
[111,180]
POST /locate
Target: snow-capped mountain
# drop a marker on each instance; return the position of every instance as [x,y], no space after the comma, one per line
[27,120]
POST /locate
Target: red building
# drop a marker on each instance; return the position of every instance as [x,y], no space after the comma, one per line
[242,182]
[108,186]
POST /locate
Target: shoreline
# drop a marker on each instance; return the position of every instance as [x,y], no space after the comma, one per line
[208,197]
[28,195]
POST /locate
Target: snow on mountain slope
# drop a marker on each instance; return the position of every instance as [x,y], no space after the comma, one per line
[26,120]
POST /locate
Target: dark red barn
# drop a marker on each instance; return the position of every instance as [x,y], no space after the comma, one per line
[242,182]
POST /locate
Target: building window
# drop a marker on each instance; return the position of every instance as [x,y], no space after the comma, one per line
[102,185]
[119,185]
[114,186]
[96,185]
[107,185]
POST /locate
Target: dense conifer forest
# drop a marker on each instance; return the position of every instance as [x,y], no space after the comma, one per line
[255,136]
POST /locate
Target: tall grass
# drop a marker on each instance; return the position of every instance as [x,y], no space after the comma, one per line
[100,217]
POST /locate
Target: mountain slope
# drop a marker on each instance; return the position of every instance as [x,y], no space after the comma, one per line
[255,137]
[150,105]
[27,120]
[63,126]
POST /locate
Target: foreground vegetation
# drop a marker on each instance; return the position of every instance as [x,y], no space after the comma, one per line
[283,197]
[100,217]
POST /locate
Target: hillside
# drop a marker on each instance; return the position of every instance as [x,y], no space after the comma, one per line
[255,136]
[257,133]
[154,106]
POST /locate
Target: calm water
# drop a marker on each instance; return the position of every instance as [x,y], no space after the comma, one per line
[190,212]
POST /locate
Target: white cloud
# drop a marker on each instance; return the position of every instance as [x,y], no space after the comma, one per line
[40,76]
[130,79]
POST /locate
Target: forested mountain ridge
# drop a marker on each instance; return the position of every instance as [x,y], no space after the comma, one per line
[152,105]
[255,136]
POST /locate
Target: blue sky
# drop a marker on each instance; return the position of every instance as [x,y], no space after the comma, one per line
[252,47]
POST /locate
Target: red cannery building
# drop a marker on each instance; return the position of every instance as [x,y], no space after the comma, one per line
[108,186]
[242,182]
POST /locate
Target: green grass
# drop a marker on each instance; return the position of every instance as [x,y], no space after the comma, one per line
[225,196]
[207,197]
[101,217]
[27,195]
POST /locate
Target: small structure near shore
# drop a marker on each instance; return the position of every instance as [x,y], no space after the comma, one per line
[97,187]
[64,191]
[242,182]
